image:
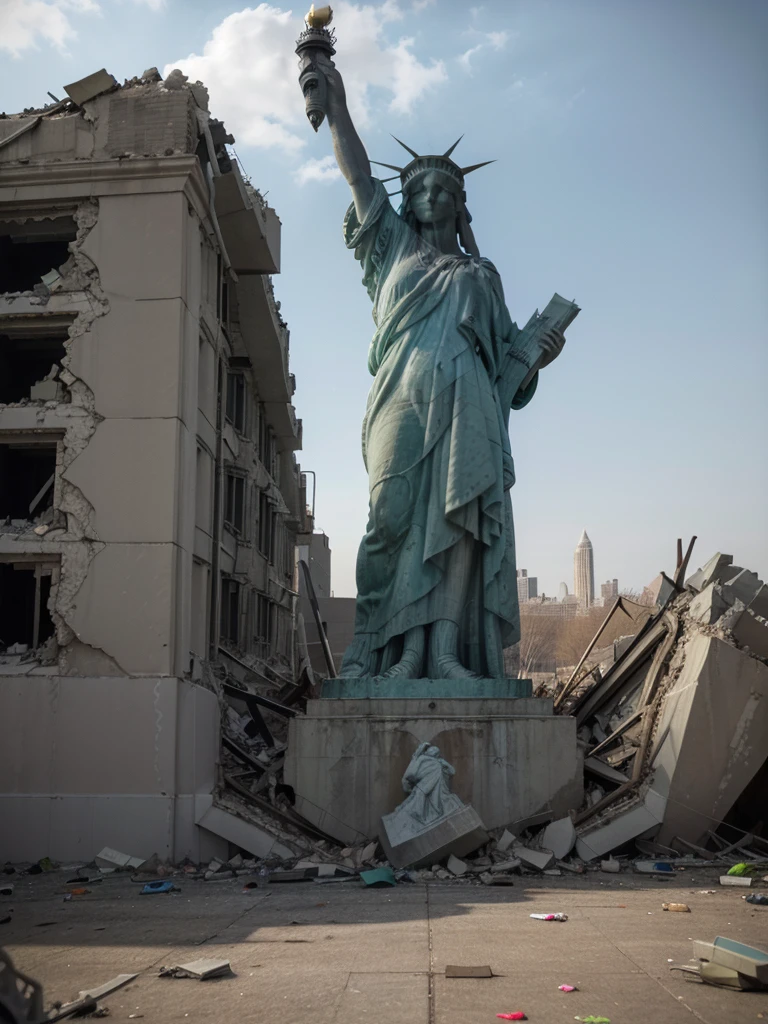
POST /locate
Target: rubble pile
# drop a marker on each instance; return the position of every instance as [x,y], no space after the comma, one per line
[677,728]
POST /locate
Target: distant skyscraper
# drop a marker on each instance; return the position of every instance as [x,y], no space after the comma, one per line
[527,586]
[609,591]
[562,593]
[584,571]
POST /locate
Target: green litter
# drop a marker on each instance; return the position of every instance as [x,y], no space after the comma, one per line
[593,1020]
[747,869]
[378,877]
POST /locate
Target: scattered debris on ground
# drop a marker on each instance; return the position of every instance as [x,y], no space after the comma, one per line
[202,969]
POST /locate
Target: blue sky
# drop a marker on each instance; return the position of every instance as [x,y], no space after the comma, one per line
[631,147]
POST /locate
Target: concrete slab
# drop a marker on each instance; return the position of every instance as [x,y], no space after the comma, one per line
[708,606]
[744,586]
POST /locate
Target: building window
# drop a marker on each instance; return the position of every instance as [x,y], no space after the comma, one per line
[236,401]
[27,358]
[27,474]
[229,624]
[234,507]
[25,588]
[32,248]
[266,525]
[263,625]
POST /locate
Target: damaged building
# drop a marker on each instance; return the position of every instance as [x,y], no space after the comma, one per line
[150,497]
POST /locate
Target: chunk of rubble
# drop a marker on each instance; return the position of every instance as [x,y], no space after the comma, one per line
[455,866]
[505,866]
[109,860]
[540,860]
[559,837]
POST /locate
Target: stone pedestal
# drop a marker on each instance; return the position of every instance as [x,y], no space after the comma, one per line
[513,757]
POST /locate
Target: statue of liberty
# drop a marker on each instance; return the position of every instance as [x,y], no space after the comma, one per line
[436,579]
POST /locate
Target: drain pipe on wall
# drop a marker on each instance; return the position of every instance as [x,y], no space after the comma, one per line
[213,624]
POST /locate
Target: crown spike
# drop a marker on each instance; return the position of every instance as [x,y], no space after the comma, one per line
[451,149]
[393,178]
[475,167]
[390,166]
[398,193]
[413,153]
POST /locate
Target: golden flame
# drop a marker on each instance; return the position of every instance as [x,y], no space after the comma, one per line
[319,18]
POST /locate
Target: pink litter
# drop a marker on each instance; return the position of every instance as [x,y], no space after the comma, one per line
[567,988]
[517,1015]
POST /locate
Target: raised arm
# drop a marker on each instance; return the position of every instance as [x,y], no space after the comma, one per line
[349,151]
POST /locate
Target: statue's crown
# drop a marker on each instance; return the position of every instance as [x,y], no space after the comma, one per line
[431,162]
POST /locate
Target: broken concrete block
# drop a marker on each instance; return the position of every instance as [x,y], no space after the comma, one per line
[751,632]
[460,833]
[176,79]
[200,969]
[744,586]
[531,821]
[91,86]
[713,571]
[611,865]
[759,604]
[368,853]
[506,840]
[113,860]
[506,865]
[537,859]
[456,866]
[559,837]
[708,606]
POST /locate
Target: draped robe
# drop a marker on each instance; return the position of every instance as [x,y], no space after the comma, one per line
[439,542]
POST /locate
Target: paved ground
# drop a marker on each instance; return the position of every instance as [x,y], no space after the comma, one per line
[343,954]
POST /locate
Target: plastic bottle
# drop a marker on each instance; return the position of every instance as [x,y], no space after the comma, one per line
[550,917]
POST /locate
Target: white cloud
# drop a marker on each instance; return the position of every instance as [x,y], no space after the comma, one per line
[323,170]
[154,5]
[466,58]
[25,22]
[250,68]
[495,40]
[421,5]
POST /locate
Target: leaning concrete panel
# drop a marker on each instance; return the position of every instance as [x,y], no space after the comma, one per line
[124,606]
[136,245]
[127,471]
[713,736]
[131,358]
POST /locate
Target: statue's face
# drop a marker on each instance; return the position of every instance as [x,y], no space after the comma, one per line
[431,202]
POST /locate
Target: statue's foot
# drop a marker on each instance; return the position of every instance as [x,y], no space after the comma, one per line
[449,667]
[410,664]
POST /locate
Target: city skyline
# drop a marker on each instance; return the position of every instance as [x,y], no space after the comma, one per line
[528,586]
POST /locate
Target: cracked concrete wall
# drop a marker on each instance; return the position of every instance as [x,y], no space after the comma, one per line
[130,402]
[140,363]
[71,531]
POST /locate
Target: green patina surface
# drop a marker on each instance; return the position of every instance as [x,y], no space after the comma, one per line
[361,689]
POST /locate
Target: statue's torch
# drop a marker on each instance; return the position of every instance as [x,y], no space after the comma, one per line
[314,41]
